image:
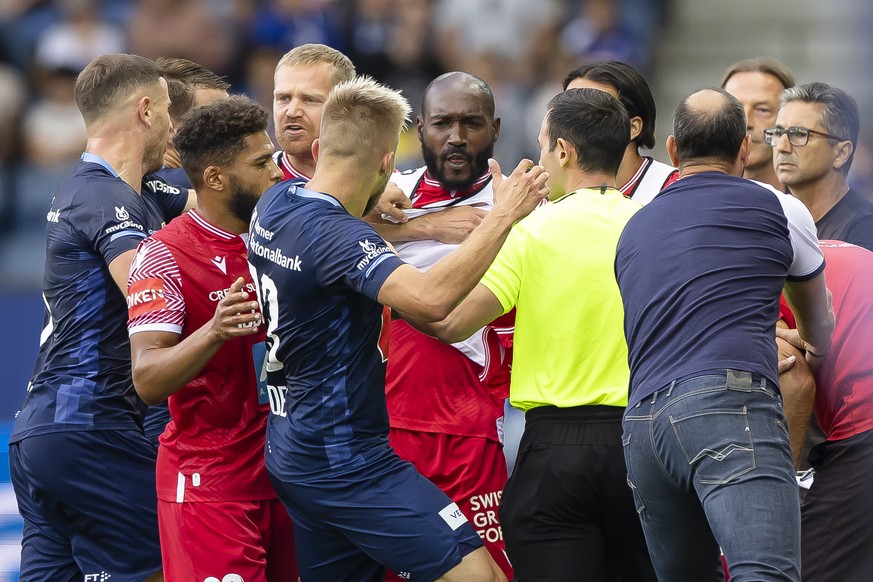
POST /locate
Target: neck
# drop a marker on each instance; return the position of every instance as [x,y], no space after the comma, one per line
[217,213]
[765,174]
[630,163]
[820,196]
[691,167]
[124,152]
[578,180]
[346,181]
[304,165]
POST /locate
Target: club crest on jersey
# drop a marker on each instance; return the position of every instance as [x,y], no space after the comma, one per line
[371,251]
[121,213]
[221,263]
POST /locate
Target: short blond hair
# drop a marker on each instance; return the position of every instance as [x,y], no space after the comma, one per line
[362,118]
[313,54]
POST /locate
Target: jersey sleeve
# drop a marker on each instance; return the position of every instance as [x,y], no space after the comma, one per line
[154,290]
[503,277]
[171,198]
[808,260]
[111,225]
[355,256]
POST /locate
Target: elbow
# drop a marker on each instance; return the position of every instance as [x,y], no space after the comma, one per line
[148,393]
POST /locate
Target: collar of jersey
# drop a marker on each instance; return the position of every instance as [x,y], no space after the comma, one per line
[95,159]
[209,227]
[304,193]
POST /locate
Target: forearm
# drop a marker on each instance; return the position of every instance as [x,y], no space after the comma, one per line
[798,397]
[159,372]
[415,229]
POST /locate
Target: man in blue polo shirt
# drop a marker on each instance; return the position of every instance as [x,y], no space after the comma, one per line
[83,472]
[700,270]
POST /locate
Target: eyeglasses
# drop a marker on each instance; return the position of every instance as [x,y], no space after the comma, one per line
[797,136]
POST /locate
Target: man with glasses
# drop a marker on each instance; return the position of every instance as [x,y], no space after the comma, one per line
[757,84]
[814,140]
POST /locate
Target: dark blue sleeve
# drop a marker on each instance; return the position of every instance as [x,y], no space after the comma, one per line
[171,198]
[861,233]
[110,219]
[354,256]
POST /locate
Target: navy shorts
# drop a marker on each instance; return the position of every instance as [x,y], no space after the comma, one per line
[89,506]
[350,527]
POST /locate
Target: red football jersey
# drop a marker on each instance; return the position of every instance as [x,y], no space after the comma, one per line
[213,449]
[844,380]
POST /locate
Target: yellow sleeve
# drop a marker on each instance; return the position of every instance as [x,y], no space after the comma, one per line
[503,277]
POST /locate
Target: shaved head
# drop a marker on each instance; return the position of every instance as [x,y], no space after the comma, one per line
[459,81]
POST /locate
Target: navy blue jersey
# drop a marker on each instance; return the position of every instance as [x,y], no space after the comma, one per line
[81,379]
[318,271]
[701,269]
[174,176]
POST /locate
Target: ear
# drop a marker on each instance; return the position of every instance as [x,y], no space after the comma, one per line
[144,110]
[387,165]
[495,125]
[565,152]
[844,152]
[419,128]
[316,148]
[745,150]
[672,151]
[213,178]
[636,127]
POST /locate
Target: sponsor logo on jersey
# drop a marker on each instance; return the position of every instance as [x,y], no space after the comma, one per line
[221,263]
[159,186]
[145,295]
[453,516]
[275,255]
[225,578]
[371,251]
[53,216]
[121,213]
[99,577]
[263,232]
[216,296]
[125,225]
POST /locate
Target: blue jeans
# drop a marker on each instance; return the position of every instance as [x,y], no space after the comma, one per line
[709,464]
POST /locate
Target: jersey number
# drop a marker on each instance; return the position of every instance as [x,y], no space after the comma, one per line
[268,296]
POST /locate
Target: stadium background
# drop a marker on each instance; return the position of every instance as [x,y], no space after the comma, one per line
[522,48]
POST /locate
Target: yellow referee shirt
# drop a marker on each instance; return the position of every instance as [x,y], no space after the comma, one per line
[557,268]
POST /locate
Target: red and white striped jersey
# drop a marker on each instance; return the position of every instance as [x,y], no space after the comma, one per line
[213,450]
[650,178]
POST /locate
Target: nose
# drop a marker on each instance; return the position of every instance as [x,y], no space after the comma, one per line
[457,137]
[782,144]
[748,109]
[294,108]
[275,172]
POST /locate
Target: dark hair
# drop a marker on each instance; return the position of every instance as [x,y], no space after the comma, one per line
[714,134]
[633,92]
[213,135]
[194,75]
[181,99]
[764,65]
[108,79]
[839,114]
[595,123]
[475,83]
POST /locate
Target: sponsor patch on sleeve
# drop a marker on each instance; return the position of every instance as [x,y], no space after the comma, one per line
[453,516]
[144,296]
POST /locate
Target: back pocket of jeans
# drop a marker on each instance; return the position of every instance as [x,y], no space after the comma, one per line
[716,443]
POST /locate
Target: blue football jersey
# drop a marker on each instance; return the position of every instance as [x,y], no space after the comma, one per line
[82,378]
[318,271]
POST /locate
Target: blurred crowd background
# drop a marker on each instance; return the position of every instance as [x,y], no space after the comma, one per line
[523,48]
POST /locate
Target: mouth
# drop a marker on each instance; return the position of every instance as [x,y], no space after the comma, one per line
[456,160]
[293,129]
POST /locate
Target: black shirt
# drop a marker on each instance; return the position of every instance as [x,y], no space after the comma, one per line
[850,220]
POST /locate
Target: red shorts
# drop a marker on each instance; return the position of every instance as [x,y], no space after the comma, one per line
[215,540]
[470,470]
